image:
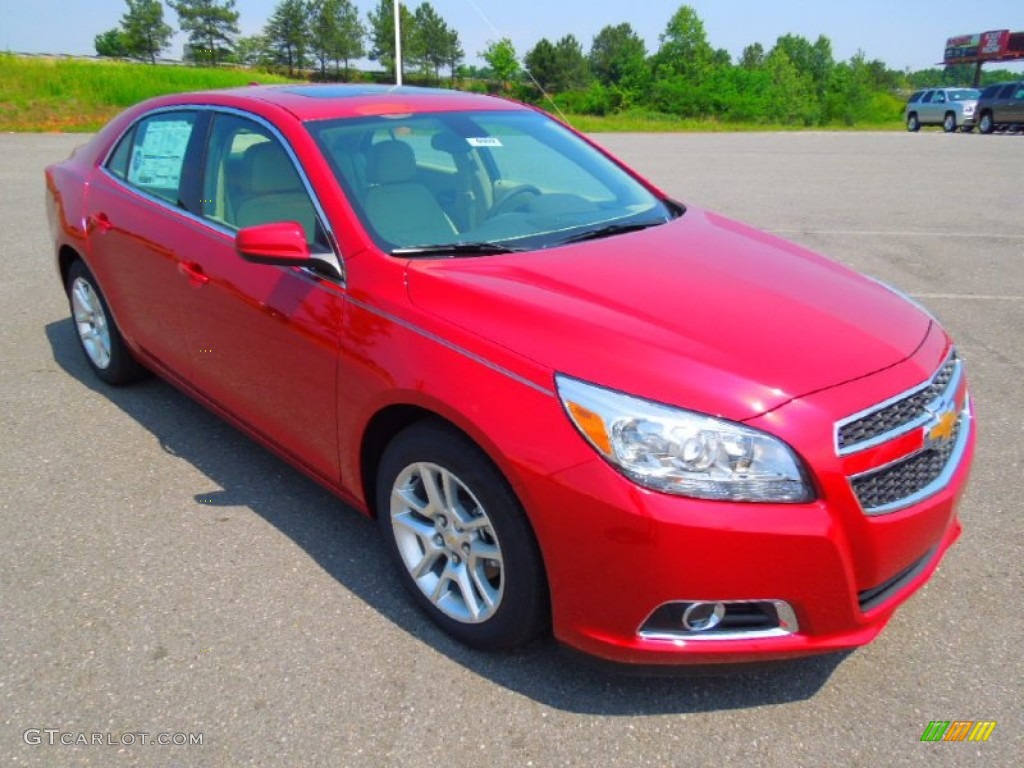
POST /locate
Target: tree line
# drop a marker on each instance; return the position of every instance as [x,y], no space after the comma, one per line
[795,82]
[299,34]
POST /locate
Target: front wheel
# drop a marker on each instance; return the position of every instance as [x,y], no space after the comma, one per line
[986,124]
[464,547]
[913,124]
[949,123]
[98,335]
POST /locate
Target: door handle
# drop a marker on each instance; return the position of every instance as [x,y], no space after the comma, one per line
[193,272]
[100,221]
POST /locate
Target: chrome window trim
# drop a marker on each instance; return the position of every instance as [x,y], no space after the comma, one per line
[910,426]
[787,616]
[332,239]
[936,485]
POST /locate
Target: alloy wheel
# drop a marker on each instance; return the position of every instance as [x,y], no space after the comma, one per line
[91,322]
[447,542]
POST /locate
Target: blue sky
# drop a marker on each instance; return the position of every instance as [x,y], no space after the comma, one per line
[902,33]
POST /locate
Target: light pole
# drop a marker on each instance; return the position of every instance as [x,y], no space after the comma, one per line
[398,43]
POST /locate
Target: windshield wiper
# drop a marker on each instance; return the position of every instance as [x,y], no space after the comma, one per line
[455,250]
[610,229]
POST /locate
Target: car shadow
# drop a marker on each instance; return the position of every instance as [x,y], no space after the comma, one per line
[347,546]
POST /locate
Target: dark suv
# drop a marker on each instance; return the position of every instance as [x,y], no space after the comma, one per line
[951,108]
[1001,106]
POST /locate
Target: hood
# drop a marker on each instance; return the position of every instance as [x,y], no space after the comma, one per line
[703,313]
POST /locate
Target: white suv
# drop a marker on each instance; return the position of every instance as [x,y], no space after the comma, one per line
[951,108]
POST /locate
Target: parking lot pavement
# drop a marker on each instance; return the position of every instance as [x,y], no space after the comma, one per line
[162,574]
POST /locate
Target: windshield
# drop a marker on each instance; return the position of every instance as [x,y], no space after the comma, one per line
[518,180]
[964,94]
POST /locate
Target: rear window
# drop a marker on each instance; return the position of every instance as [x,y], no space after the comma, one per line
[151,155]
[916,97]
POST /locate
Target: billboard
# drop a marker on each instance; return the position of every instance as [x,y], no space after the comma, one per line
[986,46]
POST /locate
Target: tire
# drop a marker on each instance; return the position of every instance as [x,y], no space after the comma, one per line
[913,124]
[949,122]
[986,124]
[462,543]
[98,335]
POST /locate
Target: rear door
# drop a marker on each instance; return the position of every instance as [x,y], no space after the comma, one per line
[137,211]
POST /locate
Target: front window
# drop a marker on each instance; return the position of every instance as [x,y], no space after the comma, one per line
[507,180]
[249,179]
[963,94]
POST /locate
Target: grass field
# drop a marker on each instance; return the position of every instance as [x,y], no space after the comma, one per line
[80,95]
[75,95]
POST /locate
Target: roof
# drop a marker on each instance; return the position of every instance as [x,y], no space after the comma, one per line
[319,102]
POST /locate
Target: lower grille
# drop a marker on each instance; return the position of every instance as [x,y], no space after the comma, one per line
[904,479]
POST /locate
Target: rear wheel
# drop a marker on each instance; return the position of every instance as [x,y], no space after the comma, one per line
[464,547]
[98,334]
[913,124]
[949,122]
[986,124]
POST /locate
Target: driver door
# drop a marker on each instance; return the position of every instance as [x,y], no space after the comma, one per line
[264,339]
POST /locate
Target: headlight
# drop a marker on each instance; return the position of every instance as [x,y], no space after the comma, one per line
[682,452]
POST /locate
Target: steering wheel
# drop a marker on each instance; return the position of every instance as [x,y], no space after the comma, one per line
[515,200]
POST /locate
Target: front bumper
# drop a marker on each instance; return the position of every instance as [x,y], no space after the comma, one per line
[616,554]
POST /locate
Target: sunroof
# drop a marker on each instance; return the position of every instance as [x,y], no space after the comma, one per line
[348,91]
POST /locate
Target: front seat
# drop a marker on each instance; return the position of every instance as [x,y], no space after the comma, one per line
[402,210]
[271,190]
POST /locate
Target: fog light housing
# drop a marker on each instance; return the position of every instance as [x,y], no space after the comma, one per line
[708,620]
[700,617]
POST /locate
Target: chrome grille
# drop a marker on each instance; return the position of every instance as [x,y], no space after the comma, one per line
[901,480]
[897,416]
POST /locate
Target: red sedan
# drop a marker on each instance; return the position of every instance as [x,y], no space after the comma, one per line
[573,404]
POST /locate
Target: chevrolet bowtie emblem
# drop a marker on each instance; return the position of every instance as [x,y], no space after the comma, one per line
[940,428]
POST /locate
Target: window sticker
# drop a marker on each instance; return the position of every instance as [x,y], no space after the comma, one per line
[484,141]
[157,162]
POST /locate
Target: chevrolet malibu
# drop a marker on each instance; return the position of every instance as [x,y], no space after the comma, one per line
[574,405]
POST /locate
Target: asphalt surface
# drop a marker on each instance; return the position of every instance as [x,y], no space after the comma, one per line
[160,573]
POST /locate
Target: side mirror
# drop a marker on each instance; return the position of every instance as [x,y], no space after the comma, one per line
[282,243]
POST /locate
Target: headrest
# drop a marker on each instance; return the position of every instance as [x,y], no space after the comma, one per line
[267,169]
[452,143]
[391,162]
